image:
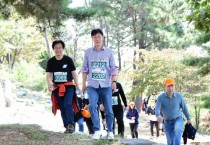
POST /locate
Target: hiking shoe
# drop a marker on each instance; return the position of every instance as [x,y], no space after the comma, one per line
[110,135]
[96,135]
[121,135]
[70,129]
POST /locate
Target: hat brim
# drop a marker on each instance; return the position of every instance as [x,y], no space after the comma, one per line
[169,84]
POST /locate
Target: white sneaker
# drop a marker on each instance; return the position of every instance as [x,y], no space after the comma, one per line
[110,135]
[96,135]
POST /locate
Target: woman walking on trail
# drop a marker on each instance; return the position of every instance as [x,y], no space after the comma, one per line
[133,116]
[61,72]
[117,107]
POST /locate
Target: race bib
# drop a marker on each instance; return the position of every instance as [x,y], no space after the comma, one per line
[114,100]
[60,76]
[131,121]
[98,70]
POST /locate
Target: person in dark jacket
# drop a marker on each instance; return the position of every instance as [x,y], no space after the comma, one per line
[78,118]
[118,108]
[133,116]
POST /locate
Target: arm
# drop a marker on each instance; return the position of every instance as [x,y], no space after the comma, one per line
[114,85]
[84,78]
[49,81]
[75,77]
[85,71]
[49,76]
[185,109]
[157,110]
[113,72]
[122,94]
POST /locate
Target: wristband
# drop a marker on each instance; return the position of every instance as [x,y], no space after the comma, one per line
[114,81]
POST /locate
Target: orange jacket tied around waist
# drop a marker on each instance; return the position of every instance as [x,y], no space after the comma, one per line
[61,91]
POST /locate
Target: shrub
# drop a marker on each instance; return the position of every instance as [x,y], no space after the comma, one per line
[31,76]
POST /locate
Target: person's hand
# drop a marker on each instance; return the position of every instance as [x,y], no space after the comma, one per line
[79,91]
[189,122]
[86,107]
[101,107]
[50,87]
[114,86]
[125,108]
[84,87]
[160,119]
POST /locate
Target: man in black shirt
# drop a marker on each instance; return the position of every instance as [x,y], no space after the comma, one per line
[61,72]
[118,108]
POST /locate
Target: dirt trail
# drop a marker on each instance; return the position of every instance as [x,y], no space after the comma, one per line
[38,115]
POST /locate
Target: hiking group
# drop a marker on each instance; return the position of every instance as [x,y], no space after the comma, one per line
[101,92]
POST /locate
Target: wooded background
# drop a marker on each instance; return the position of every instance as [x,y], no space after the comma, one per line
[151,40]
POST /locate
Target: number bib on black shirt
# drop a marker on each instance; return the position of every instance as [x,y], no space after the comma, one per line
[114,100]
[60,77]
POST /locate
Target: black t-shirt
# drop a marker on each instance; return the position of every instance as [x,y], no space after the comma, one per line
[119,93]
[61,69]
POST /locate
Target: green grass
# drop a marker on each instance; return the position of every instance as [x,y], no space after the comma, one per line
[33,132]
[18,134]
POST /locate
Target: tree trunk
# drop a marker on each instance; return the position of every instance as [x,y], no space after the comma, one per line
[135,82]
[46,39]
[138,100]
[197,116]
[9,61]
[75,50]
[107,37]
[118,52]
[107,32]
[2,59]
[87,4]
[134,53]
[12,58]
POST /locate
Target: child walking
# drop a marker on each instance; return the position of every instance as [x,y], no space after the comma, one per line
[133,116]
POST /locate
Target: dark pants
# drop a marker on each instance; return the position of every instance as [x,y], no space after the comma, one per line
[152,123]
[89,124]
[149,110]
[102,114]
[65,103]
[118,114]
[103,118]
[133,128]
